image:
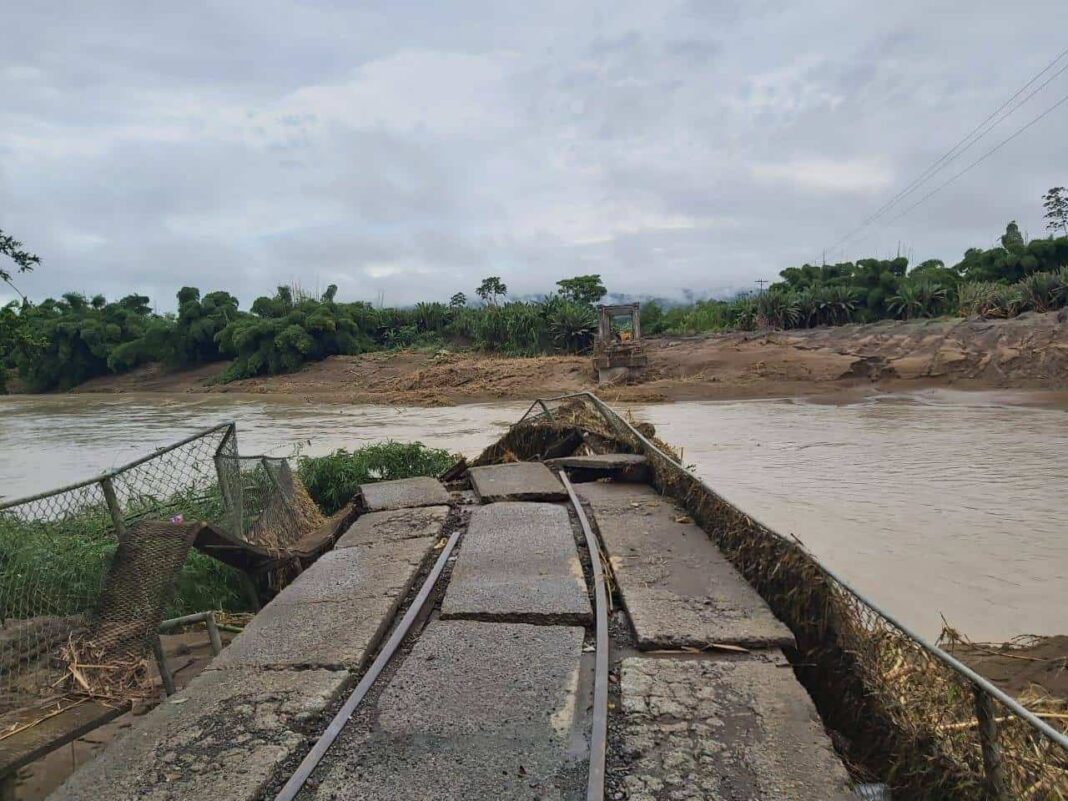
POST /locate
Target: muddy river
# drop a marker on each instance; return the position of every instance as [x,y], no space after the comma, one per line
[934,505]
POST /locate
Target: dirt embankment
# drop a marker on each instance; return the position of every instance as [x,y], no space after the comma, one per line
[1027,352]
[1033,670]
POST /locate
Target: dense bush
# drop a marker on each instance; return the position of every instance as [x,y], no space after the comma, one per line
[333,480]
[284,332]
[1015,259]
[62,343]
[572,325]
[1003,281]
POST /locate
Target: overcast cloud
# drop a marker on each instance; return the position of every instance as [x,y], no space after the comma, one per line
[404,150]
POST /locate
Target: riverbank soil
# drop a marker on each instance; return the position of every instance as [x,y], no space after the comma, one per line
[1026,352]
[1033,667]
[188,653]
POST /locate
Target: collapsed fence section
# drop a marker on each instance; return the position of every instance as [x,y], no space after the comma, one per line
[903,711]
[86,571]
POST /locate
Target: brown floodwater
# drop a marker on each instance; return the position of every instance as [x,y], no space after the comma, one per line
[934,505]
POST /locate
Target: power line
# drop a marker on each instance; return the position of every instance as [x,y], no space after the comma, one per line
[960,147]
[982,158]
[944,162]
[952,153]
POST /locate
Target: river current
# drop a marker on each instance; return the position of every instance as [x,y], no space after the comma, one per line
[934,505]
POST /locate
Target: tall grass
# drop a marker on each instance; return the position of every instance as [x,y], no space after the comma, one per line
[332,480]
[916,296]
[58,568]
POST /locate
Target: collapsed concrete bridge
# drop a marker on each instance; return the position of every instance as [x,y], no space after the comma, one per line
[491,694]
[575,615]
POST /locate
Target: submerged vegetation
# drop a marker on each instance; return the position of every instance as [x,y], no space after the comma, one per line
[60,343]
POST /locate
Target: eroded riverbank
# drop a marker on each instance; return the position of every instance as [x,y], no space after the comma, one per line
[1029,352]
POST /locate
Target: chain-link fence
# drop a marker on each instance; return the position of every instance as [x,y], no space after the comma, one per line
[87,570]
[904,711]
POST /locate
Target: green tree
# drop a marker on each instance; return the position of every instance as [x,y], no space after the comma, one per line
[284,332]
[24,260]
[458,301]
[491,289]
[572,326]
[1014,260]
[1012,240]
[1055,201]
[66,342]
[12,331]
[199,323]
[585,289]
[918,297]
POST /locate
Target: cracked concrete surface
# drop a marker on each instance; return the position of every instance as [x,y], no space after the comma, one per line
[477,711]
[679,590]
[518,563]
[220,738]
[399,524]
[704,730]
[516,481]
[334,613]
[403,493]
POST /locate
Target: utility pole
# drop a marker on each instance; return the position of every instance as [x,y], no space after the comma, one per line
[760,282]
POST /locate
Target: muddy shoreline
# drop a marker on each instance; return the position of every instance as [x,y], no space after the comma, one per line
[1027,353]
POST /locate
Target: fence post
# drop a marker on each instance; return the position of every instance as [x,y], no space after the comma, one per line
[113,506]
[213,634]
[231,505]
[988,740]
[164,669]
[233,502]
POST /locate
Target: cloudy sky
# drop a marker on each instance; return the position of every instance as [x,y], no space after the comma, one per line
[404,150]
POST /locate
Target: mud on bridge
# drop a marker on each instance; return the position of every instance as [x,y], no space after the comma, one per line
[530,630]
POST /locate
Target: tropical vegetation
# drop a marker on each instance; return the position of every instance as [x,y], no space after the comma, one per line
[1004,281]
[332,480]
[59,343]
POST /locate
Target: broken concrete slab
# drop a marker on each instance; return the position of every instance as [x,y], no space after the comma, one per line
[600,461]
[617,466]
[479,711]
[679,590]
[518,563]
[353,574]
[335,613]
[398,524]
[722,730]
[403,493]
[516,481]
[222,737]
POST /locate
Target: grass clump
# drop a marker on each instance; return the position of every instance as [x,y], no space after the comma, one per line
[333,480]
[58,569]
[207,583]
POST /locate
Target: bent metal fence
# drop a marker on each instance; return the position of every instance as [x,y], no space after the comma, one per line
[106,553]
[903,710]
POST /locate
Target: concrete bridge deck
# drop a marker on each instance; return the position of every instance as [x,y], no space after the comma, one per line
[497,705]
